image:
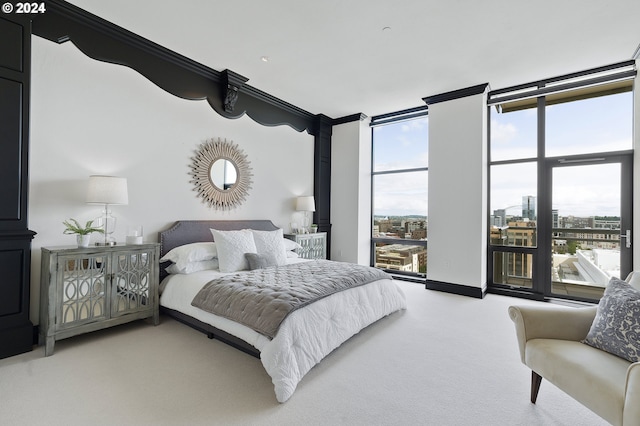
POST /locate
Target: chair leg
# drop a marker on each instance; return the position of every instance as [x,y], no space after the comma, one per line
[536,379]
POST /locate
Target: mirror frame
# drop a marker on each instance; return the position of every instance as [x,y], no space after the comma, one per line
[208,153]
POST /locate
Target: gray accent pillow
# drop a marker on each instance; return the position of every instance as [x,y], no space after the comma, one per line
[616,327]
[259,261]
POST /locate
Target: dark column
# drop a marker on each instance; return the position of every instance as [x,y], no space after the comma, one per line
[323,127]
[16,331]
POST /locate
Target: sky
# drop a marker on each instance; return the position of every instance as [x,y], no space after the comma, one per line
[602,124]
[402,145]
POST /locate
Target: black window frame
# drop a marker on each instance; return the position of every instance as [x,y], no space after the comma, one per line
[535,95]
[380,120]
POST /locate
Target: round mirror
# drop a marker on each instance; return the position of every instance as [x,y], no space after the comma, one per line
[221,174]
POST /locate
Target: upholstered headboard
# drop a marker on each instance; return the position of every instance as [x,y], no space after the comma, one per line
[196,231]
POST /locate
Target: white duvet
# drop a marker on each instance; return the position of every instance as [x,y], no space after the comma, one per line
[306,336]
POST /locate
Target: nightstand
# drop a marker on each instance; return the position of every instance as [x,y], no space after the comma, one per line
[314,245]
[88,289]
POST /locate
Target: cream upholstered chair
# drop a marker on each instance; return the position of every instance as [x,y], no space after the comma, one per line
[549,339]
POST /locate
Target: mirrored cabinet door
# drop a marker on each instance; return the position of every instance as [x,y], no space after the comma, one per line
[312,246]
[81,292]
[132,282]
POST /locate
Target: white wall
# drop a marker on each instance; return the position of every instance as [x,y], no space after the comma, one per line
[351,192]
[457,231]
[89,117]
[636,172]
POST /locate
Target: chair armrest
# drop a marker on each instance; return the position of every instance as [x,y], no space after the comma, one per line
[550,322]
[631,412]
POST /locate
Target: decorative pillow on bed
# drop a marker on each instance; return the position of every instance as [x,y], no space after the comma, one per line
[232,245]
[259,261]
[616,326]
[291,245]
[194,252]
[271,243]
[191,267]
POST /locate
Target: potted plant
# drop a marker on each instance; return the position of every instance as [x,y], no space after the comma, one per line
[83,233]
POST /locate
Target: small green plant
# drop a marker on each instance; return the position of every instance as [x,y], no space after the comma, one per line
[73,227]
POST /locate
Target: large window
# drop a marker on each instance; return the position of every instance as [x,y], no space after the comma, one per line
[560,184]
[399,193]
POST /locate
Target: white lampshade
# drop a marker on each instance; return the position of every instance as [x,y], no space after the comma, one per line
[306,204]
[107,190]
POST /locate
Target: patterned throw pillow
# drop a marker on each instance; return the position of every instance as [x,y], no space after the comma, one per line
[272,243]
[616,327]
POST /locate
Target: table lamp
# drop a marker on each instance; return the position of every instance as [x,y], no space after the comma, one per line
[107,190]
[306,204]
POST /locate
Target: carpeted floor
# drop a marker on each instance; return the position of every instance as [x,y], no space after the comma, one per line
[447,360]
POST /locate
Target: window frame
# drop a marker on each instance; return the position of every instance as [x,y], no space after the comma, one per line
[602,81]
[381,120]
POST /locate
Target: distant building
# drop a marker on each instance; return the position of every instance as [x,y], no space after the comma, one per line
[419,234]
[400,257]
[606,222]
[529,207]
[415,230]
[577,222]
[585,249]
[499,218]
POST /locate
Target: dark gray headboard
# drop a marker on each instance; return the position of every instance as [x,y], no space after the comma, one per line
[196,231]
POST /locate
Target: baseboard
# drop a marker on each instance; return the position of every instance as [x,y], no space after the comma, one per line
[463,290]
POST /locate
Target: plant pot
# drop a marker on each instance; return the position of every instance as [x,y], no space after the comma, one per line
[83,240]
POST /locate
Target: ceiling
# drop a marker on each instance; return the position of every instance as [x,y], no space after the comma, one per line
[342,57]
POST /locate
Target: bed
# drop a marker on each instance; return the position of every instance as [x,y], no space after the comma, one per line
[305,335]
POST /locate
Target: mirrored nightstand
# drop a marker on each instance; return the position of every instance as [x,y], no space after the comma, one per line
[314,245]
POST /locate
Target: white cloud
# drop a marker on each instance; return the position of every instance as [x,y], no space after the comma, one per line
[503,133]
[414,125]
[401,194]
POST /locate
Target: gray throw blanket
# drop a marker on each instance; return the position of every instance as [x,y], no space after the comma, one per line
[261,299]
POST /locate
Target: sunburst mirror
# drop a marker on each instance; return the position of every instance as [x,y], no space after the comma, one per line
[221,174]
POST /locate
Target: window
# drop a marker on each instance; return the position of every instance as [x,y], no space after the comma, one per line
[400,178]
[560,184]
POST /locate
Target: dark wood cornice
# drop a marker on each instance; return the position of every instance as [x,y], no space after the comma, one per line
[174,73]
[456,94]
[349,119]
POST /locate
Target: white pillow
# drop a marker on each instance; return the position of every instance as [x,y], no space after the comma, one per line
[232,245]
[191,267]
[270,243]
[291,245]
[194,252]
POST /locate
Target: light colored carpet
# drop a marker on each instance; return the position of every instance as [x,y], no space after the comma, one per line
[447,360]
